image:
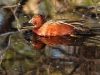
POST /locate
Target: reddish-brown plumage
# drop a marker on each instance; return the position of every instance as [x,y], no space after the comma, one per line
[53,30]
[50,28]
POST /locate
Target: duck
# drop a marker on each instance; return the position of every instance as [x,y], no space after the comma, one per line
[57,27]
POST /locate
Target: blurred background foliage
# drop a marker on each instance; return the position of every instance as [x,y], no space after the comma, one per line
[19,57]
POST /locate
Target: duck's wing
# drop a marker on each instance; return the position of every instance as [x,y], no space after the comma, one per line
[80,29]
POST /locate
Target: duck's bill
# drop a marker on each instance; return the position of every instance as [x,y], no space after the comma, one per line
[27,25]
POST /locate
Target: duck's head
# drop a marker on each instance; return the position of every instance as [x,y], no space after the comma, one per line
[37,20]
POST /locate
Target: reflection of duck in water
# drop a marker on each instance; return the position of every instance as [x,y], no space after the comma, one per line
[40,42]
[55,27]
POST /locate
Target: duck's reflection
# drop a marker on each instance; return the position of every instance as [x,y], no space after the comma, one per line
[39,42]
[66,45]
